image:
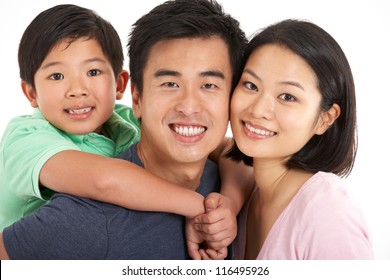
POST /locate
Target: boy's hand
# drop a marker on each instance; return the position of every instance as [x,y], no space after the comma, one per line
[195,244]
[218,226]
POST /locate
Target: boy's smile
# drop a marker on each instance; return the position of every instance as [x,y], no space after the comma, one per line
[75,87]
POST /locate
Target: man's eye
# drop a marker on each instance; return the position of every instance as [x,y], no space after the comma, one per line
[209,86]
[170,84]
[94,72]
[56,76]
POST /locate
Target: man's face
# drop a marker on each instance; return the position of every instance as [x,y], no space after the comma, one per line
[185,100]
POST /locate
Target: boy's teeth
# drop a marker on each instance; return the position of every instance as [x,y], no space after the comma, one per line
[189,130]
[80,111]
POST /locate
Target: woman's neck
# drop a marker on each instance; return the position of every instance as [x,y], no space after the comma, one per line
[268,176]
[276,181]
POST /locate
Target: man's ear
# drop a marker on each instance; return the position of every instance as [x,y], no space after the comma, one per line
[121,84]
[30,93]
[327,118]
[136,101]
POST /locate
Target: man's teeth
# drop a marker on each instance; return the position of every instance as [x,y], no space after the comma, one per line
[79,111]
[189,131]
[259,131]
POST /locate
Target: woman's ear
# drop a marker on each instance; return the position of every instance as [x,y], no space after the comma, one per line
[136,101]
[327,118]
[121,84]
[30,93]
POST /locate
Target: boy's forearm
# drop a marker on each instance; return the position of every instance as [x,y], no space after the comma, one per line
[237,179]
[237,182]
[118,182]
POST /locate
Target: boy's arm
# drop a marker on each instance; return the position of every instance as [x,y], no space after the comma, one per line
[118,182]
[237,179]
[3,251]
[218,226]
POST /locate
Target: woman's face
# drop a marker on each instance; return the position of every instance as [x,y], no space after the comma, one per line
[275,108]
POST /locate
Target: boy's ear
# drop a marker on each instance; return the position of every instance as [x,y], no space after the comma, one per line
[327,118]
[30,93]
[136,101]
[121,84]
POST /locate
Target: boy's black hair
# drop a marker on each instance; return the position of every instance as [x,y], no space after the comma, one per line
[60,22]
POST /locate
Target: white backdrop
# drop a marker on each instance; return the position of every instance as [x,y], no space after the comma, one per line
[362,29]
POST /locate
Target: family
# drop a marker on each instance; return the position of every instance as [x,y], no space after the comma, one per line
[86,178]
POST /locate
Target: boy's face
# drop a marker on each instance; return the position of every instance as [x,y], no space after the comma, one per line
[185,100]
[76,87]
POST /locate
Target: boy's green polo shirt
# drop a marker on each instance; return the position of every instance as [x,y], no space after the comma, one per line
[29,141]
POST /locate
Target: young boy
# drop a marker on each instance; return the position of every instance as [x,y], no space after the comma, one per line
[72,74]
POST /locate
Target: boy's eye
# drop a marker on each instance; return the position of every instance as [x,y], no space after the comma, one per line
[56,76]
[287,97]
[94,72]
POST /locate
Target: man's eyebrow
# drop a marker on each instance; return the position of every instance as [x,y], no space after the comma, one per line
[213,73]
[165,72]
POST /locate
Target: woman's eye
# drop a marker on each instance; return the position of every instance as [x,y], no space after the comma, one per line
[250,86]
[287,97]
[94,72]
[56,76]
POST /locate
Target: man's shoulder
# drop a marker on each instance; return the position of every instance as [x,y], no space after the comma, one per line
[69,227]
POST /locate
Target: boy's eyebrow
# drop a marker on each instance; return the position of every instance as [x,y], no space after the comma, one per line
[211,73]
[53,63]
[96,59]
[291,83]
[47,65]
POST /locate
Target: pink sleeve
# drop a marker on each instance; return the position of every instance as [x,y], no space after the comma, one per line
[335,229]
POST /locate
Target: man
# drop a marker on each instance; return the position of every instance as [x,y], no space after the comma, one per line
[184,61]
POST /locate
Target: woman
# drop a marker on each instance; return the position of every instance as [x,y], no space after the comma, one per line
[293,116]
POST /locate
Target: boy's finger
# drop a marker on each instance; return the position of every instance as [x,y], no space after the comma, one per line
[211,202]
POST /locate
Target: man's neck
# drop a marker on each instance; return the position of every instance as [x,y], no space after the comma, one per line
[183,174]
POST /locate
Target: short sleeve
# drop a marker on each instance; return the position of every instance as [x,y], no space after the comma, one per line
[26,147]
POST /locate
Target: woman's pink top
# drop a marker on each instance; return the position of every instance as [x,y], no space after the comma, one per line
[321,222]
